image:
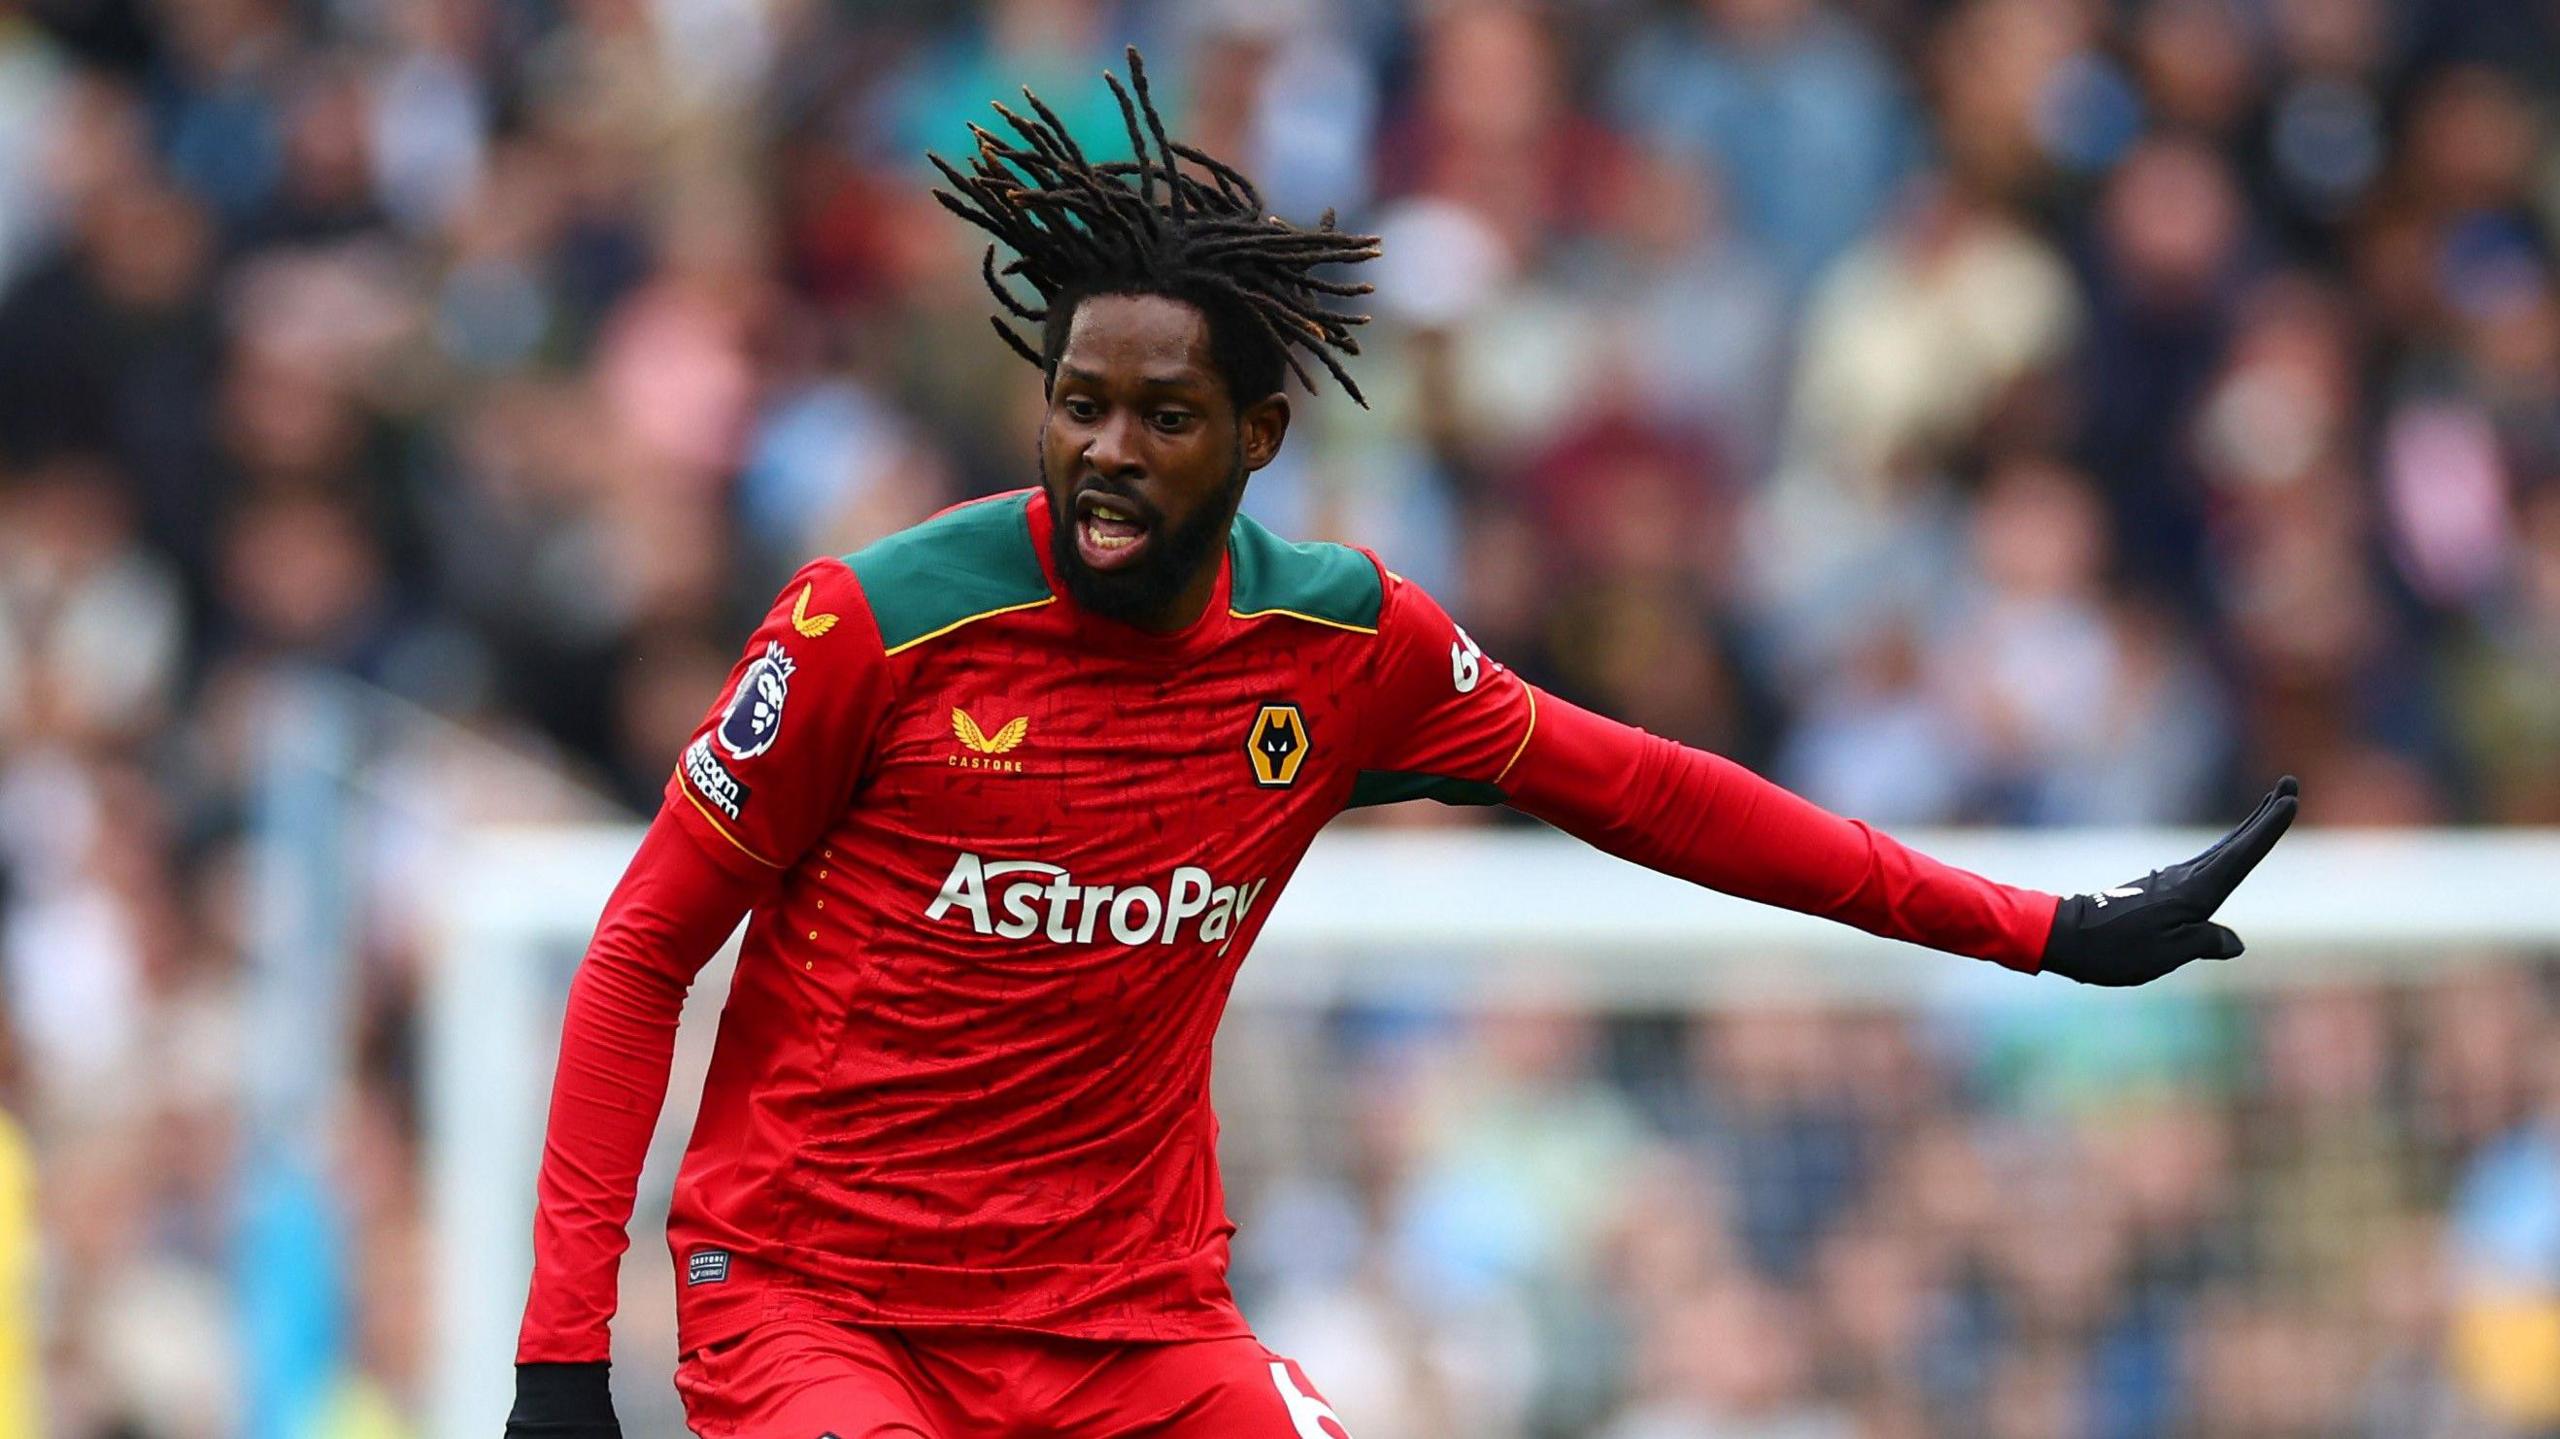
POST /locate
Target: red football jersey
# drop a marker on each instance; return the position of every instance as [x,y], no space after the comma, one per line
[1004,858]
[964,1072]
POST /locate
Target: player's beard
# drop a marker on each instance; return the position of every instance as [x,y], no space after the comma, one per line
[1139,594]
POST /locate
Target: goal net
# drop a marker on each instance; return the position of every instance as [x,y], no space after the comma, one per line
[1524,1141]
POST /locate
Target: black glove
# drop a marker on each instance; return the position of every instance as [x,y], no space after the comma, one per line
[2137,932]
[563,1401]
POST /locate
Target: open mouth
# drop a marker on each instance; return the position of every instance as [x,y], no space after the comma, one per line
[1111,532]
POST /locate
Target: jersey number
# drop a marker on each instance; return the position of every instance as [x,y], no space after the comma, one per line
[1466,661]
[1307,1413]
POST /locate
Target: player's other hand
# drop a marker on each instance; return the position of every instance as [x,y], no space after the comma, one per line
[2141,930]
[563,1401]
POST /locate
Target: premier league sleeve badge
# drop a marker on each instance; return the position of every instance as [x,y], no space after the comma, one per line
[754,717]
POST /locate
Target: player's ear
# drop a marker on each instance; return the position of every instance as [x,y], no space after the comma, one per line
[1262,426]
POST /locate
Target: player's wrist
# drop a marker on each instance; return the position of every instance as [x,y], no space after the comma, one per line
[564,1401]
[2066,941]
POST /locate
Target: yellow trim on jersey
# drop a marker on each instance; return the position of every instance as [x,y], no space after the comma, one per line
[1234,613]
[969,620]
[1523,747]
[685,787]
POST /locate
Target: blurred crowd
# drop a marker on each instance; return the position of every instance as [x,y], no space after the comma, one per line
[2004,411]
[2334,1212]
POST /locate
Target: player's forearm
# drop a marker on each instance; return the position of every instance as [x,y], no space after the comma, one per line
[666,919]
[1708,820]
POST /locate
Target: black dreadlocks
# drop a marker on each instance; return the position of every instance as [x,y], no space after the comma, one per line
[1079,229]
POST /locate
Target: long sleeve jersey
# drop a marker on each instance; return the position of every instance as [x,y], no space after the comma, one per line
[1001,859]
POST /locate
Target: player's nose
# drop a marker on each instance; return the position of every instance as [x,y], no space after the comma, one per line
[1112,447]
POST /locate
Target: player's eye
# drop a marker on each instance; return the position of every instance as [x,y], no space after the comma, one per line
[1079,408]
[1171,421]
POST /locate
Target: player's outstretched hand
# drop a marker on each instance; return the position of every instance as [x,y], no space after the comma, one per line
[563,1401]
[2139,931]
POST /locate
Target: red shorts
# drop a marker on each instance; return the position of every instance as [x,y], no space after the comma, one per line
[810,1379]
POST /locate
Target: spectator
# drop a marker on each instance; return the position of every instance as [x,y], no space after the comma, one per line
[1768,92]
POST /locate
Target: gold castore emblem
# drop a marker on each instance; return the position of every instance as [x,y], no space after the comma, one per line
[810,626]
[982,747]
[1277,744]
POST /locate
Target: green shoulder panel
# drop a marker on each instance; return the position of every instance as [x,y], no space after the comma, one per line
[1328,584]
[962,565]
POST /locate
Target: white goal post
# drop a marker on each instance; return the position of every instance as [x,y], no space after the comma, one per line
[1462,917]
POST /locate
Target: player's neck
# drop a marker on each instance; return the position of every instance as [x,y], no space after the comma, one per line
[1187,604]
